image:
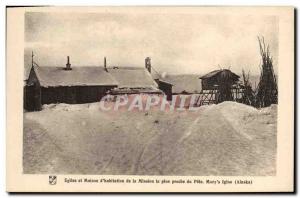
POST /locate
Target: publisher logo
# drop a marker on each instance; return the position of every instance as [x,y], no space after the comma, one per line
[52,179]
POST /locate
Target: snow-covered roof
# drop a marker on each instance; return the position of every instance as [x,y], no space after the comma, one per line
[132,77]
[78,76]
[216,72]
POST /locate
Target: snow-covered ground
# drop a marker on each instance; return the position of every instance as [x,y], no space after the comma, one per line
[224,139]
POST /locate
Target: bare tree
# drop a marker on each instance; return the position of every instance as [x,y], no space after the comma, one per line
[267,93]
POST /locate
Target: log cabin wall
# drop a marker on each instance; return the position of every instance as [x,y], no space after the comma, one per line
[74,94]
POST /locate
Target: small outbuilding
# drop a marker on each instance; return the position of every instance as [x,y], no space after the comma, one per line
[218,86]
[217,78]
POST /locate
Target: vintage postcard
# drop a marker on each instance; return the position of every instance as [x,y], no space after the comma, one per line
[150,99]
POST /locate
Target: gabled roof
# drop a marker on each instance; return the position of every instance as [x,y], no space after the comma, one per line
[216,72]
[78,76]
[210,74]
[132,77]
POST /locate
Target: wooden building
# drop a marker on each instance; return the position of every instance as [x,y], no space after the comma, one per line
[75,85]
[218,86]
[68,84]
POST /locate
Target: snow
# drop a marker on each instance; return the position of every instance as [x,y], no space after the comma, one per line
[132,77]
[224,139]
[78,76]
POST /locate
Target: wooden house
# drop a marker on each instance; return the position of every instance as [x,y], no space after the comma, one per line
[75,85]
[219,85]
[68,84]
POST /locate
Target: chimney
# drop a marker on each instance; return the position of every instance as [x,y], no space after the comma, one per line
[148,64]
[68,65]
[105,68]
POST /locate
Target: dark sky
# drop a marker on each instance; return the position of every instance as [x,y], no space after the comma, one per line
[178,43]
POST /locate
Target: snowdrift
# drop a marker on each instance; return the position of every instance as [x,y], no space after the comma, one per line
[224,139]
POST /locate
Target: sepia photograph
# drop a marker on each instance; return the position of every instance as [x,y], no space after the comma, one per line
[141,66]
[152,91]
